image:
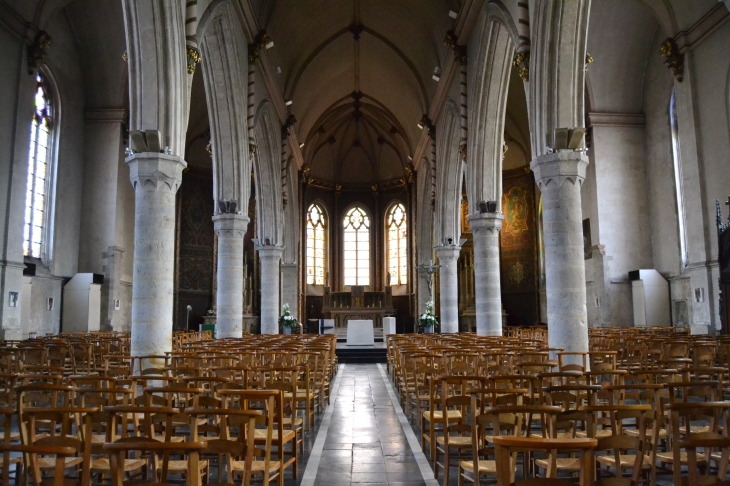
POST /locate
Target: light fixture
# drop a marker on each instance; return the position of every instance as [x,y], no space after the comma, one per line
[453,15]
[301,145]
[410,158]
[436,74]
[288,102]
[420,125]
[278,69]
[270,44]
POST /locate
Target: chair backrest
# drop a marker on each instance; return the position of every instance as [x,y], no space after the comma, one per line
[117,451]
[506,446]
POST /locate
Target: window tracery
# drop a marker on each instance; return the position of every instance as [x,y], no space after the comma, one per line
[316,245]
[356,225]
[397,227]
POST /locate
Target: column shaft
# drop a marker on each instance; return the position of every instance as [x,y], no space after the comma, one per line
[487,290]
[156,178]
[560,176]
[289,287]
[230,229]
[448,256]
[270,308]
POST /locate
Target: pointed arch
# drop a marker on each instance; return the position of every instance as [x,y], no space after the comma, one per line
[224,68]
[267,175]
[492,47]
[449,175]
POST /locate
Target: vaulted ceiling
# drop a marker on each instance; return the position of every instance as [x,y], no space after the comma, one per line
[359,75]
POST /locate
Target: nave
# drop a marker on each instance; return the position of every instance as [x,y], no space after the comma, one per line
[284,410]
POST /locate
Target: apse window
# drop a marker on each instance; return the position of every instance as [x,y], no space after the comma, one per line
[397,244]
[38,171]
[316,245]
[356,226]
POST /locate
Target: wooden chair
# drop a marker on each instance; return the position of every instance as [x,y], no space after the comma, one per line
[506,446]
[62,452]
[273,433]
[120,449]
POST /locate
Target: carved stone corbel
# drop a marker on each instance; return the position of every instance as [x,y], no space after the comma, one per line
[673,58]
[37,51]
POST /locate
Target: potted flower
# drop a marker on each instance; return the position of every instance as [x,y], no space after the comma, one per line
[287,321]
[427,322]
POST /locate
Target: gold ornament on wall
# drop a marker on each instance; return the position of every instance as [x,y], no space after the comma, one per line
[673,58]
[193,59]
[522,61]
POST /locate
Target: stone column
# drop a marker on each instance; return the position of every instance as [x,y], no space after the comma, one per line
[487,291]
[270,256]
[156,178]
[289,288]
[230,229]
[423,293]
[448,255]
[560,176]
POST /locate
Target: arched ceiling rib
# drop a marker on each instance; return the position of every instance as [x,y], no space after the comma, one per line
[382,50]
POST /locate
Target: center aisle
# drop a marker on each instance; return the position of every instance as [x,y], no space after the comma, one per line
[361,439]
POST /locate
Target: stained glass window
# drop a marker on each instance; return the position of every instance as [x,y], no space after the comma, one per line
[35,196]
[678,179]
[397,244]
[357,247]
[316,245]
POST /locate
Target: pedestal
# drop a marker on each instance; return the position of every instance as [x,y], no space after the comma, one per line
[388,326]
[360,333]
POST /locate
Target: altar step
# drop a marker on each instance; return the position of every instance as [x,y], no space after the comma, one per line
[341,333]
[362,355]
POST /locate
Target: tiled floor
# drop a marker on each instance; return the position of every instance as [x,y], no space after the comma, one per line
[362,438]
[365,442]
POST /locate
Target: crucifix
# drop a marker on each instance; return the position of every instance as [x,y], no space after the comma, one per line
[430,270]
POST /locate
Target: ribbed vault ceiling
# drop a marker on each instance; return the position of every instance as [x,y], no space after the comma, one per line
[359,75]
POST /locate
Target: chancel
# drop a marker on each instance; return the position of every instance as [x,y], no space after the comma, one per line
[337,210]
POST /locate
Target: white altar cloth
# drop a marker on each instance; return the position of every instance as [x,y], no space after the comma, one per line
[360,333]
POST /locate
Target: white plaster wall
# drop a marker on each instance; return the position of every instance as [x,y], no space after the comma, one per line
[623,211]
[42,320]
[65,64]
[664,222]
[100,198]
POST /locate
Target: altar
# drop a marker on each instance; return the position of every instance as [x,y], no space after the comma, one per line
[358,305]
[360,333]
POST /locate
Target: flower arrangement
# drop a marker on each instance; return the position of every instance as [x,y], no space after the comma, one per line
[427,321]
[288,320]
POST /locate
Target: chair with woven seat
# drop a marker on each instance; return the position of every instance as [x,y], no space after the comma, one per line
[227,448]
[120,449]
[514,421]
[506,446]
[274,435]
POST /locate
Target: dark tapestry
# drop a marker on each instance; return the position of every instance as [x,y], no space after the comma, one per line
[518,245]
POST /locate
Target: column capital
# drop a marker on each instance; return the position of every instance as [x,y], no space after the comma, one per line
[270,252]
[230,224]
[152,169]
[485,224]
[447,253]
[558,167]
